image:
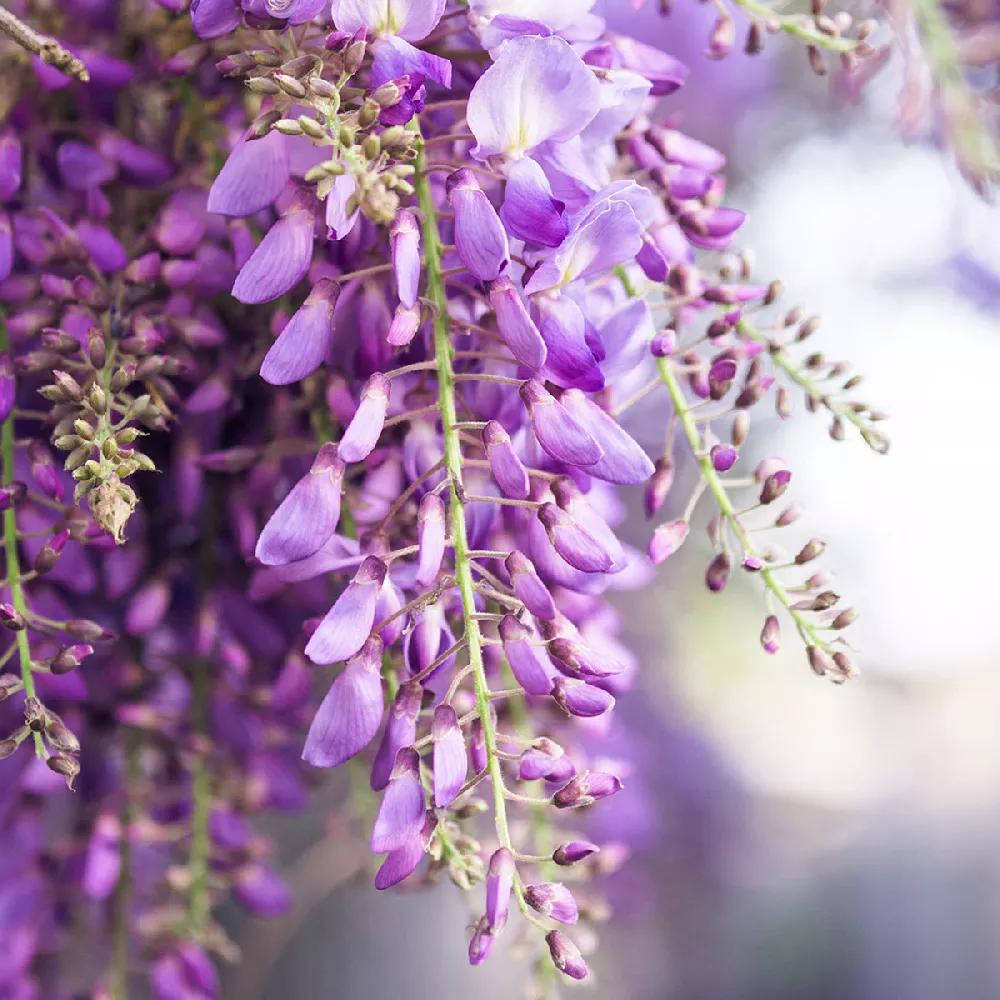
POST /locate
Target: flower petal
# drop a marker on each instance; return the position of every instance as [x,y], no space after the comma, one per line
[255,173]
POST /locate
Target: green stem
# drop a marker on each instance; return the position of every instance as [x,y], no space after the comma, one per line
[718,489]
[13,562]
[873,438]
[443,351]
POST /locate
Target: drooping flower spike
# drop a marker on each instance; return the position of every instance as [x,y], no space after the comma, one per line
[377,285]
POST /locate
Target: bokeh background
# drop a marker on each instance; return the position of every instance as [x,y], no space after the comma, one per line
[793,839]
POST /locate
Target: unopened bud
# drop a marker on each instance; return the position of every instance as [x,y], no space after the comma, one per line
[11,618]
[813,549]
[263,85]
[820,660]
[68,767]
[717,574]
[62,738]
[846,618]
[770,635]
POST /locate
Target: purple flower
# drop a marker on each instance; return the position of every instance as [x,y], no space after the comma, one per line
[401,813]
[254,175]
[365,428]
[342,210]
[576,545]
[576,697]
[451,763]
[508,470]
[499,884]
[573,851]
[529,211]
[667,539]
[400,731]
[401,863]
[537,90]
[515,324]
[586,789]
[557,431]
[281,260]
[529,662]
[349,717]
[409,19]
[304,344]
[214,18]
[349,622]
[308,516]
[566,956]
[552,900]
[404,240]
[480,237]
[431,537]
[623,461]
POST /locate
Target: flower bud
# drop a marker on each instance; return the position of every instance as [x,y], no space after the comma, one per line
[659,486]
[552,900]
[566,956]
[573,851]
[717,574]
[499,883]
[11,618]
[87,631]
[68,767]
[813,549]
[820,661]
[586,789]
[770,636]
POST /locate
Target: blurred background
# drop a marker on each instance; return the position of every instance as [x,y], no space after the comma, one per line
[792,839]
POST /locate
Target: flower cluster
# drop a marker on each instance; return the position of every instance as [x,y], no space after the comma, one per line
[378,288]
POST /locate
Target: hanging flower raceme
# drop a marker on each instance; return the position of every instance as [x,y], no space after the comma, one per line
[377,294]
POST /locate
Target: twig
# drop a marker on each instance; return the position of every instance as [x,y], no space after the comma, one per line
[47,49]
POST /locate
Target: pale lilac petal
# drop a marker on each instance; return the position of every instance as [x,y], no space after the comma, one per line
[627,334]
[480,237]
[350,714]
[538,89]
[552,900]
[499,885]
[528,586]
[402,810]
[529,211]
[304,344]
[663,71]
[554,14]
[581,699]
[280,261]
[349,622]
[507,468]
[451,761]
[365,428]
[340,222]
[431,538]
[255,173]
[400,731]
[516,326]
[401,863]
[410,19]
[404,325]
[570,362]
[623,461]
[308,516]
[529,663]
[557,431]
[214,18]
[610,237]
[622,98]
[404,241]
[573,543]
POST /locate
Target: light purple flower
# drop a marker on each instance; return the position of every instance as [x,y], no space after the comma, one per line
[528,586]
[573,851]
[573,543]
[281,260]
[431,538]
[623,461]
[401,863]
[557,431]
[402,810]
[307,518]
[529,663]
[552,900]
[255,173]
[515,324]
[409,19]
[480,237]
[570,361]
[400,731]
[304,344]
[451,762]
[499,885]
[508,470]
[350,714]
[586,789]
[529,211]
[214,18]
[365,428]
[566,956]
[349,622]
[404,241]
[667,539]
[341,215]
[538,89]
[577,697]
